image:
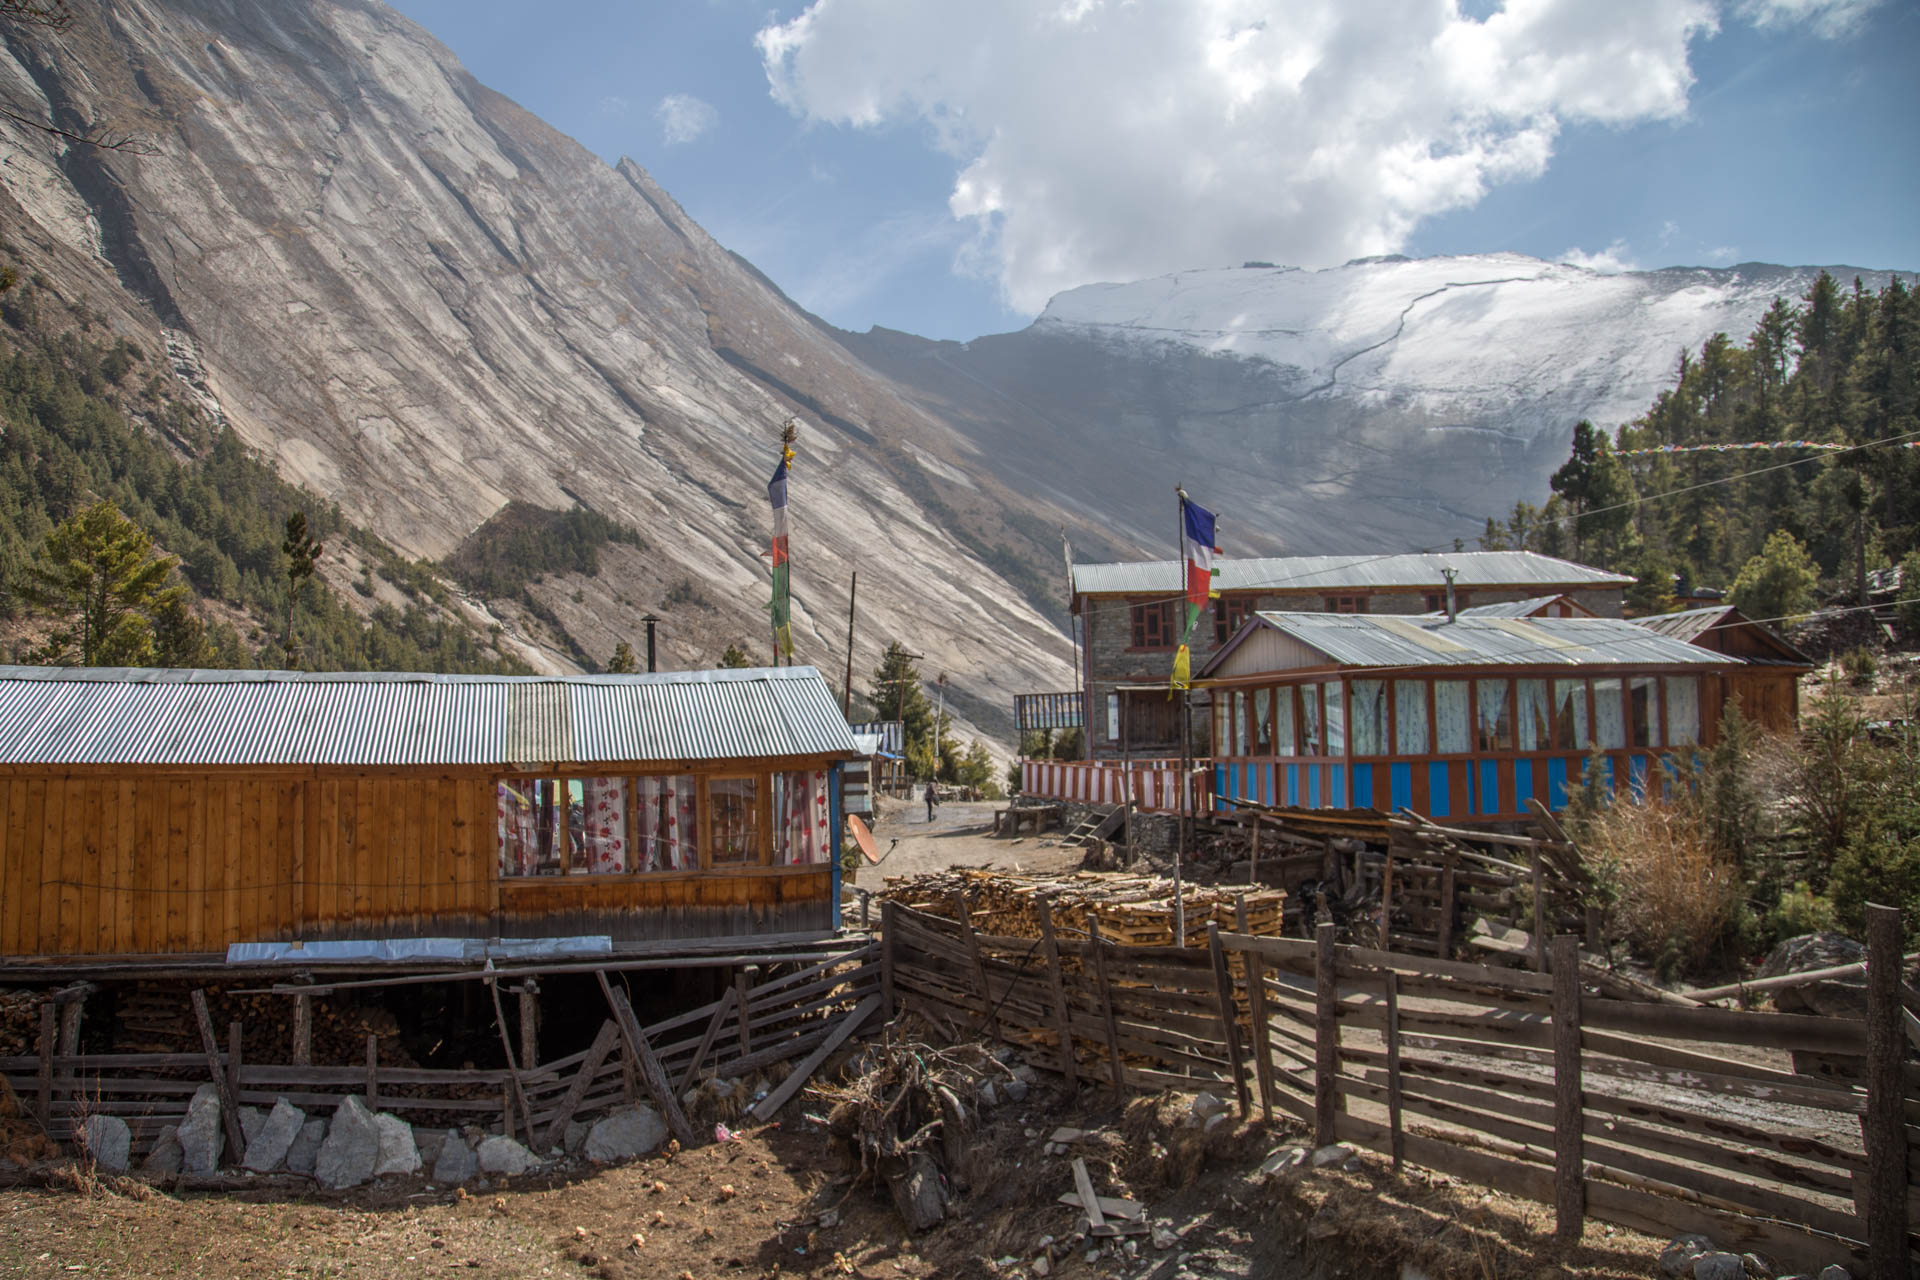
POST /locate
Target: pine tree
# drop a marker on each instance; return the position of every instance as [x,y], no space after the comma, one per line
[735,657]
[622,662]
[302,553]
[101,580]
[896,690]
[1778,583]
[1599,489]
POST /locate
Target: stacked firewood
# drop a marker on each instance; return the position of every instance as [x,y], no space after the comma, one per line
[156,1017]
[19,1022]
[1131,909]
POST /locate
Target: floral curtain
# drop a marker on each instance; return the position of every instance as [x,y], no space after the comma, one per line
[1683,711]
[1263,722]
[802,826]
[1310,720]
[1452,732]
[1410,717]
[1495,728]
[666,828]
[601,827]
[1239,723]
[517,807]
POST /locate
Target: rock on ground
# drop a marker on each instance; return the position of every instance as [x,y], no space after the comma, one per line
[1677,1258]
[109,1142]
[273,1136]
[1719,1266]
[1837,997]
[166,1155]
[352,1148]
[428,1143]
[626,1133]
[251,1119]
[202,1136]
[398,1154]
[456,1162]
[503,1155]
[577,1131]
[306,1147]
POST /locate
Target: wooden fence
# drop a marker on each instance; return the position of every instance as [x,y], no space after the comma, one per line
[785,1018]
[1153,786]
[1655,1117]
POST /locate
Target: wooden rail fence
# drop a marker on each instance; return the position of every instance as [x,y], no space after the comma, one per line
[1655,1117]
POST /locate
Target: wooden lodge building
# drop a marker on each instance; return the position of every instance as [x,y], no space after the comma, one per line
[1768,680]
[179,814]
[1464,719]
[1128,617]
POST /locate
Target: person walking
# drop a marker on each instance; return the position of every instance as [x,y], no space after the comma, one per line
[933,798]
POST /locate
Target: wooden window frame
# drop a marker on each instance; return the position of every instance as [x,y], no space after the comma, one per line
[1230,613]
[1339,603]
[763,819]
[1138,614]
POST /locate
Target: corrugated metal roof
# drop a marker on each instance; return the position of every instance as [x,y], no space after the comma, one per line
[1479,570]
[1379,640]
[68,715]
[1510,608]
[1688,625]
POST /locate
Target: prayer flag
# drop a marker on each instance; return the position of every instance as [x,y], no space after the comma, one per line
[782,602]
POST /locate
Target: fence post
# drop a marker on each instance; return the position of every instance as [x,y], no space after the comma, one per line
[303,1030]
[1539,911]
[989,1021]
[1569,1187]
[1886,1198]
[1397,1139]
[1256,971]
[1229,1017]
[888,908]
[742,995]
[1447,892]
[1099,949]
[1386,901]
[373,1075]
[46,1063]
[235,1036]
[1062,1019]
[1326,1036]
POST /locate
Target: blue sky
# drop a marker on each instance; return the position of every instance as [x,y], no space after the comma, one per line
[944,168]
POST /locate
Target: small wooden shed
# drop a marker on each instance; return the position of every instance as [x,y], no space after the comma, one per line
[1768,680]
[1464,720]
[176,813]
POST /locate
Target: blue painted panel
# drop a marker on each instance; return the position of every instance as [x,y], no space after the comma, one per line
[1522,784]
[1313,786]
[1293,785]
[1267,772]
[839,837]
[1489,786]
[1363,786]
[1437,798]
[1401,776]
[1556,784]
[1339,775]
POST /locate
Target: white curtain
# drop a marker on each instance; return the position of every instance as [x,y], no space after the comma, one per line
[1310,744]
[666,823]
[1532,711]
[1283,720]
[1454,736]
[1263,722]
[1369,717]
[1570,715]
[1336,720]
[1240,723]
[1683,711]
[1410,718]
[802,826]
[1496,716]
[1609,716]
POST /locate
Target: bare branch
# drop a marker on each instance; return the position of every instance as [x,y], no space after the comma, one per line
[102,139]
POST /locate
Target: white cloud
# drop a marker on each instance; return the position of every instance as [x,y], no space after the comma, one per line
[684,117]
[1115,139]
[1723,254]
[1830,18]
[1610,261]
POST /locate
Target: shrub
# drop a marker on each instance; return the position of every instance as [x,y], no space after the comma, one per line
[1861,666]
[1800,910]
[1676,895]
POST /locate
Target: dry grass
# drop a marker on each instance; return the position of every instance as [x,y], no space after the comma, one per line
[1677,894]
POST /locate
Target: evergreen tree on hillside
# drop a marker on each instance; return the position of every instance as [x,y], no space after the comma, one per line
[302,554]
[100,580]
[1778,583]
[895,690]
[1596,485]
[623,663]
[735,657]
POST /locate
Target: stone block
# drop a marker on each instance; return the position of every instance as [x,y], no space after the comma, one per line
[273,1136]
[352,1147]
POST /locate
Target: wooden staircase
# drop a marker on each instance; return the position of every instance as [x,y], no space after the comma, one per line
[1098,826]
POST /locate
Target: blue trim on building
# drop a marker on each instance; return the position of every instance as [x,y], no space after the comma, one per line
[839,837]
[1489,786]
[1401,775]
[1438,798]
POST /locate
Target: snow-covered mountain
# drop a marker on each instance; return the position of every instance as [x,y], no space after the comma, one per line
[1387,404]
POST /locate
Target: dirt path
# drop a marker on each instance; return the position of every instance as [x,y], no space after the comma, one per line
[958,836]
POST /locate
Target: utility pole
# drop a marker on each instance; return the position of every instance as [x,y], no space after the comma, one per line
[939,723]
[846,695]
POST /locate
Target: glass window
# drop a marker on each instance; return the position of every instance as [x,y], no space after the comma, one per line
[524,809]
[597,826]
[1310,744]
[1336,720]
[802,829]
[1222,723]
[561,826]
[1263,722]
[1609,726]
[1493,730]
[666,825]
[1410,718]
[1570,715]
[1283,743]
[1113,718]
[1369,717]
[1643,712]
[1153,625]
[1451,731]
[1683,710]
[733,821]
[1533,714]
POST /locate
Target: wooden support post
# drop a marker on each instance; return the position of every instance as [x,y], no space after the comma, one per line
[989,1015]
[742,997]
[506,1110]
[1229,1018]
[1099,950]
[303,1030]
[236,1034]
[48,1036]
[1256,971]
[652,1075]
[888,933]
[726,1002]
[373,1074]
[69,1046]
[1569,1158]
[1446,909]
[1539,911]
[529,993]
[1386,902]
[513,1066]
[229,1106]
[582,1082]
[1398,1139]
[1886,1134]
[1062,1017]
[1326,1035]
[1253,857]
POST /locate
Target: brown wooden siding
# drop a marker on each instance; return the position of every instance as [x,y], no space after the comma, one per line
[106,863]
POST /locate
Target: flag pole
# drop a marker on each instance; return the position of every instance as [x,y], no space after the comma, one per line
[1180,846]
[789,434]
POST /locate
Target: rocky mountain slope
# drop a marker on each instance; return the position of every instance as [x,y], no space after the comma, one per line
[423,303]
[1389,404]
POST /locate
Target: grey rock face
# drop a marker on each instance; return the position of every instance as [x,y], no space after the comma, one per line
[628,1132]
[456,1162]
[1834,997]
[1719,1266]
[1678,1257]
[576,1141]
[250,1120]
[305,1151]
[202,1135]
[428,1142]
[273,1135]
[501,1155]
[109,1142]
[167,1155]
[398,1154]
[352,1148]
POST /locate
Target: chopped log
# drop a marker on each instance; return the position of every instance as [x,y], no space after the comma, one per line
[652,1076]
[770,1105]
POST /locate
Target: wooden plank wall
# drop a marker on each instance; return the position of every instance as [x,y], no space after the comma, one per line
[105,864]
